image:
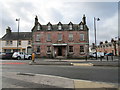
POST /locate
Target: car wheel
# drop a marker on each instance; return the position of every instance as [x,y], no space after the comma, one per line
[30,58]
[18,58]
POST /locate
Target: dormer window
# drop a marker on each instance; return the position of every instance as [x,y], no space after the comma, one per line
[70,27]
[38,27]
[59,27]
[49,27]
[81,27]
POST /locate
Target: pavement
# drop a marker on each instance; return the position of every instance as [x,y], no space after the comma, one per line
[55,81]
[76,62]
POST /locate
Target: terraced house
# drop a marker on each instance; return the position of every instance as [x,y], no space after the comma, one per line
[60,40]
[9,41]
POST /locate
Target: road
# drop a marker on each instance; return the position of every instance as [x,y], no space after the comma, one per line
[92,73]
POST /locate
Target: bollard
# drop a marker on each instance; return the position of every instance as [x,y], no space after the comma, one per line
[107,58]
[86,58]
[100,58]
[112,57]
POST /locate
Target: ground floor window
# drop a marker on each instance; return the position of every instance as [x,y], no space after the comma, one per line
[48,49]
[38,49]
[70,48]
[81,49]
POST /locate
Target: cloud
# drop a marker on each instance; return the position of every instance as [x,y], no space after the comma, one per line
[108,28]
[58,10]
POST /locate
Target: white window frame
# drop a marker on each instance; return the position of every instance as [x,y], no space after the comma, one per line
[38,47]
[81,27]
[82,37]
[7,42]
[49,27]
[48,37]
[59,27]
[48,49]
[29,42]
[38,27]
[59,36]
[70,36]
[38,37]
[82,52]
[19,42]
[70,27]
[11,42]
[72,49]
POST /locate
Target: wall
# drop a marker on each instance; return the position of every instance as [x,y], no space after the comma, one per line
[65,39]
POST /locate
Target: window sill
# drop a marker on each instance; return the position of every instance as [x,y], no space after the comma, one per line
[38,53]
[71,52]
[71,40]
[82,53]
[48,40]
[59,40]
[82,40]
[48,52]
[37,41]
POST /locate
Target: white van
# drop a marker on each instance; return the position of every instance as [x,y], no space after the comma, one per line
[99,54]
[21,55]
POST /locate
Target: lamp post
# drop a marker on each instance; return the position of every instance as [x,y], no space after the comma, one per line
[18,33]
[95,19]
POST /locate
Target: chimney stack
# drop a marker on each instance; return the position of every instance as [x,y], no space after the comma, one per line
[8,30]
[36,20]
[84,19]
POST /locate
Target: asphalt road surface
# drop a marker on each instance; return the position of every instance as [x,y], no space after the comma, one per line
[92,73]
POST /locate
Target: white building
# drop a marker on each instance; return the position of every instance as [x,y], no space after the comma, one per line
[10,39]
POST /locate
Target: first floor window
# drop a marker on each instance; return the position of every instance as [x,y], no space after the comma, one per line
[37,37]
[59,37]
[7,42]
[82,37]
[48,37]
[29,42]
[70,37]
[11,42]
[70,48]
[81,49]
[19,42]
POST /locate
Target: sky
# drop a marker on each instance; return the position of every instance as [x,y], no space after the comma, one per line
[63,11]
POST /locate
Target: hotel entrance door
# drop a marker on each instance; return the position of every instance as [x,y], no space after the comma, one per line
[59,51]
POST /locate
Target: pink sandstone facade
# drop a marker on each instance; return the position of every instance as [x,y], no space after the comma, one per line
[61,40]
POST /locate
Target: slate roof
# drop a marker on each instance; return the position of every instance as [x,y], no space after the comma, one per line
[55,27]
[14,36]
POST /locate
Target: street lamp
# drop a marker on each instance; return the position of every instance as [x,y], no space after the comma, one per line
[95,19]
[18,32]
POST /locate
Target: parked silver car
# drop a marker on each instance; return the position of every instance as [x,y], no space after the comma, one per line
[1,54]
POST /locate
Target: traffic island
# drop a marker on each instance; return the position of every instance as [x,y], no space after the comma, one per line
[82,64]
[50,63]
